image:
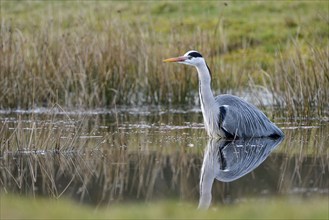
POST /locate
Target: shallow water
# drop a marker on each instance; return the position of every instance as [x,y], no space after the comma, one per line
[145,154]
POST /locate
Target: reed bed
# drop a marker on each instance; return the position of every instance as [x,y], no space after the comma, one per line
[301,80]
[121,65]
[96,59]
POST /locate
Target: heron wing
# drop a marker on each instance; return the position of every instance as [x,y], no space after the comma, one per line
[223,118]
[231,121]
[239,118]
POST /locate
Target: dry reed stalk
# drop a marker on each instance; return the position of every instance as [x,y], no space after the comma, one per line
[122,65]
[301,82]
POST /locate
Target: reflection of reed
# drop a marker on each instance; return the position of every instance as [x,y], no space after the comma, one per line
[56,155]
[98,179]
[305,165]
[48,133]
[118,174]
[73,158]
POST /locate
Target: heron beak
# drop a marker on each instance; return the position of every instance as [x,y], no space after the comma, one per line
[176,59]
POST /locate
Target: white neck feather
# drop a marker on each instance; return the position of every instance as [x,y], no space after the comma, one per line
[208,104]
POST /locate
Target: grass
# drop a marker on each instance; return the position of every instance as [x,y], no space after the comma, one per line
[89,55]
[254,209]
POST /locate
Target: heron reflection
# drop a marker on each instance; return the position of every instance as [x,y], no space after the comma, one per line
[229,160]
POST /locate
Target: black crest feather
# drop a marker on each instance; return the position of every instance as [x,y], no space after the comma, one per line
[195,54]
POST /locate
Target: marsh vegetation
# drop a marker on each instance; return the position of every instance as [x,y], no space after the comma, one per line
[87,55]
[89,113]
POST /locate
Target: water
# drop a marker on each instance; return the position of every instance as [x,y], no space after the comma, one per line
[148,154]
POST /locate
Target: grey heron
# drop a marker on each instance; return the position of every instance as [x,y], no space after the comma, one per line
[226,116]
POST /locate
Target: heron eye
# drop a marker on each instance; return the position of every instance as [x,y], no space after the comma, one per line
[190,57]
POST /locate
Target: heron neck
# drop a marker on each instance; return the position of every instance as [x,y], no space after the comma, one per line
[205,92]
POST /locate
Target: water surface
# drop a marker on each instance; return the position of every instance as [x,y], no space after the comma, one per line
[102,157]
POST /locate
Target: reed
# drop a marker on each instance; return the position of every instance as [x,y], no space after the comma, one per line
[83,70]
[89,60]
[301,80]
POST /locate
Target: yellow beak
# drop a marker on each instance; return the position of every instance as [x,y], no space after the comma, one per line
[175,59]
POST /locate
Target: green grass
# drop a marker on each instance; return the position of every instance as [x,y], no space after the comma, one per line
[97,54]
[14,207]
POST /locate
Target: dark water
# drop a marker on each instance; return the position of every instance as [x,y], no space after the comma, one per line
[146,154]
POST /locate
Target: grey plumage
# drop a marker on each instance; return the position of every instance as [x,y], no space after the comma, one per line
[226,116]
[242,119]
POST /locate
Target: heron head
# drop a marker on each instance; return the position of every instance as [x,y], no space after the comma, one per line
[192,58]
